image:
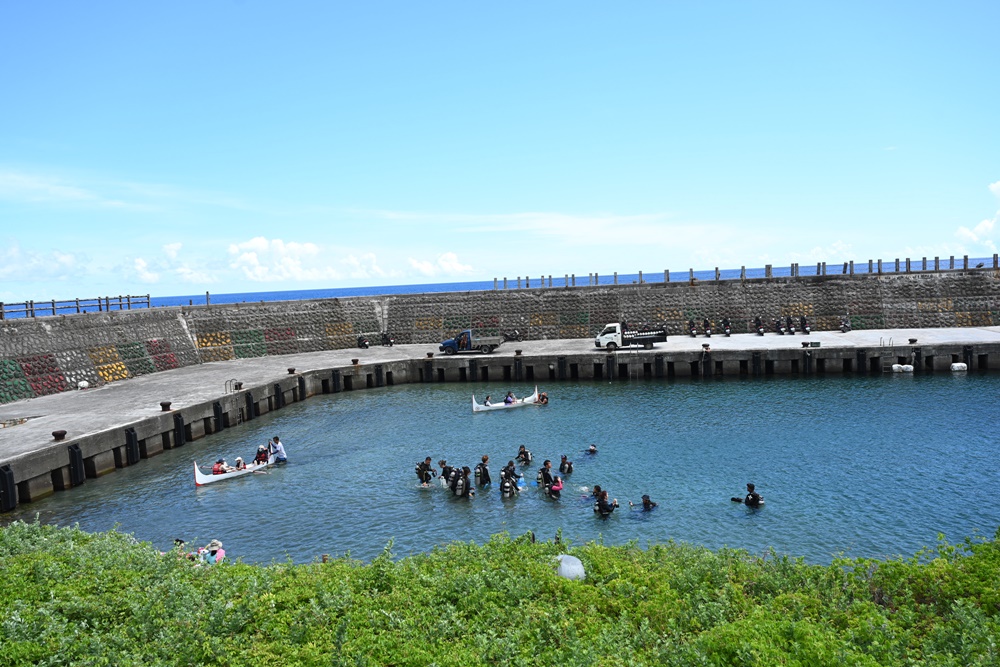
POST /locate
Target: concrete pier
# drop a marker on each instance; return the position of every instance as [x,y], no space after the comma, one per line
[119,424]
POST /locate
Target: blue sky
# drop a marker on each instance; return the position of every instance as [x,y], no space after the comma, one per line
[174,148]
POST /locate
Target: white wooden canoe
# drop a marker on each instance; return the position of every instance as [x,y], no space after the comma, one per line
[201,479]
[519,403]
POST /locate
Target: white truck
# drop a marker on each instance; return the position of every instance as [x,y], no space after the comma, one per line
[620,334]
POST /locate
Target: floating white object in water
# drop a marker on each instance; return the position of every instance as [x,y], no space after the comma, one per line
[570,567]
[902,368]
[959,367]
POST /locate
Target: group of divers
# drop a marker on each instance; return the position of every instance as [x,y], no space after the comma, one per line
[460,481]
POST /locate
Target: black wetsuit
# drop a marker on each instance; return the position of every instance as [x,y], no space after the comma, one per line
[446,472]
[566,467]
[510,473]
[424,472]
[483,473]
[508,487]
[604,507]
[462,486]
[544,477]
[753,499]
[524,456]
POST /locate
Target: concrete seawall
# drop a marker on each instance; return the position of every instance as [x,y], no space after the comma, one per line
[118,424]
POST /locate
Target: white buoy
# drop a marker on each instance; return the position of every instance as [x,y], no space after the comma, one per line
[897,368]
[959,367]
[907,368]
[570,567]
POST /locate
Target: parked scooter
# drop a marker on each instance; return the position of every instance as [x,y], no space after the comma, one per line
[759,325]
[804,325]
[363,342]
[727,327]
[790,325]
[388,340]
[514,335]
[779,327]
[691,329]
[707,326]
[845,325]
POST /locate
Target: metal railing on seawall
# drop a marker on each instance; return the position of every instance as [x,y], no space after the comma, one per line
[27,309]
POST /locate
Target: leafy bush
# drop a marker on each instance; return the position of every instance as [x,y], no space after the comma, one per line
[70,598]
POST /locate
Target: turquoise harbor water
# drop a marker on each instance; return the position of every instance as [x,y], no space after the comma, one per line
[864,466]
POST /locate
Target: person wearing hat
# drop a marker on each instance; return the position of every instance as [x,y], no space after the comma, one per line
[261,456]
[647,504]
[213,554]
[239,463]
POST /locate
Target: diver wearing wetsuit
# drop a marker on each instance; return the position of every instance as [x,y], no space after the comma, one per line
[483,471]
[565,466]
[603,506]
[523,456]
[462,486]
[545,475]
[425,471]
[752,499]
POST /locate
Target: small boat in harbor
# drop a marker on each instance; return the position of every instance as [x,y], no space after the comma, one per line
[518,403]
[201,478]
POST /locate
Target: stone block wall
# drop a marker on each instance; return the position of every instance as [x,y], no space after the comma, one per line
[46,355]
[51,354]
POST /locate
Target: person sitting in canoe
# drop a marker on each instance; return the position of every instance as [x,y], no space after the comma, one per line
[261,456]
[239,463]
[279,451]
[543,398]
[523,456]
[509,399]
[487,402]
[220,467]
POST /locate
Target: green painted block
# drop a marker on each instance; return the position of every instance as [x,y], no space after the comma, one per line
[131,351]
[140,366]
[14,390]
[248,337]
[10,370]
[249,350]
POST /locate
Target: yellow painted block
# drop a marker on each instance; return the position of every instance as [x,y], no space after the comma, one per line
[666,315]
[339,329]
[935,306]
[428,323]
[112,372]
[544,319]
[214,339]
[104,355]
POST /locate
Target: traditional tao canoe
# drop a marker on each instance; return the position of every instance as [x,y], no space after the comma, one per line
[519,403]
[201,479]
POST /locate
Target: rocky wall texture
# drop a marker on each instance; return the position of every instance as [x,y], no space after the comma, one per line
[50,354]
[46,355]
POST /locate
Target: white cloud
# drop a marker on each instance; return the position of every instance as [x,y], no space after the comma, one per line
[446,264]
[15,263]
[264,260]
[143,272]
[364,266]
[171,249]
[995,188]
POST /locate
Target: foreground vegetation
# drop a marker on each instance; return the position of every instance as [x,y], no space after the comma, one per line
[73,598]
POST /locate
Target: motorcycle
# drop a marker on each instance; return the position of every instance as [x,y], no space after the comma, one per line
[726,326]
[514,335]
[363,342]
[804,325]
[691,329]
[759,326]
[707,326]
[845,325]
[790,324]
[779,327]
[388,340]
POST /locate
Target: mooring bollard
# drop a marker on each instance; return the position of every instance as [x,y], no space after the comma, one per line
[164,406]
[58,435]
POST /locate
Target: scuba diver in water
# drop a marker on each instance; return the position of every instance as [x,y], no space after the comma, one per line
[523,456]
[508,484]
[425,471]
[565,466]
[591,450]
[483,471]
[555,491]
[462,486]
[510,471]
[752,499]
[545,475]
[646,505]
[603,506]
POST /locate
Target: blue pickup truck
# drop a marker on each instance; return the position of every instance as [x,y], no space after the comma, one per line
[467,341]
